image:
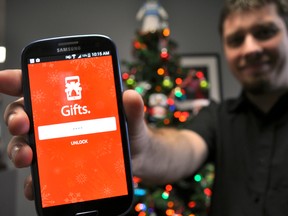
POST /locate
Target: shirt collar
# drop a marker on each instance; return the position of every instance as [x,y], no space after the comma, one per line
[235,104]
[242,102]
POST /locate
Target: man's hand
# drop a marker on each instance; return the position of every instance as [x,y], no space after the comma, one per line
[18,123]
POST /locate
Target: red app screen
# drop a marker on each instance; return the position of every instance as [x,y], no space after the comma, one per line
[77,134]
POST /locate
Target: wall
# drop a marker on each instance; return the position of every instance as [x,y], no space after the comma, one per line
[2,20]
[193,26]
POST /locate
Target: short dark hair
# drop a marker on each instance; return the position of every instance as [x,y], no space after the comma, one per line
[231,6]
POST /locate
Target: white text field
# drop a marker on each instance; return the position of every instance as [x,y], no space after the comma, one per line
[76,128]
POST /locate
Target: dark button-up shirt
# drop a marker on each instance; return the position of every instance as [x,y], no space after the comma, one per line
[250,151]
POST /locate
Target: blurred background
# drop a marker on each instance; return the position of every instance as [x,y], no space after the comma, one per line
[193,25]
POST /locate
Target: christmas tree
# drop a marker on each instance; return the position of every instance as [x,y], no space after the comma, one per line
[172,96]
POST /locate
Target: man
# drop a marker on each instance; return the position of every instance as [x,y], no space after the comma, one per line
[246,137]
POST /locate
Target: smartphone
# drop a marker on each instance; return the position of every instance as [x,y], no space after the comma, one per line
[78,133]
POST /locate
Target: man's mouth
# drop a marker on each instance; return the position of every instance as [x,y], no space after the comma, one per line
[256,67]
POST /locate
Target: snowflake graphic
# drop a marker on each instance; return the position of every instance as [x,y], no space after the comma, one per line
[55,155]
[57,170]
[79,164]
[119,166]
[104,148]
[107,147]
[111,91]
[51,65]
[48,65]
[84,63]
[53,78]
[81,178]
[73,198]
[38,96]
[107,190]
[106,70]
[46,197]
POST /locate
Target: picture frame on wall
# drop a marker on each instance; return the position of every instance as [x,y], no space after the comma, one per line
[202,82]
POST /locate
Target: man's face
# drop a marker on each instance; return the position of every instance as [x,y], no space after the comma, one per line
[256,47]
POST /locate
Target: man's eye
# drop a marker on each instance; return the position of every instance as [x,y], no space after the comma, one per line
[265,33]
[235,41]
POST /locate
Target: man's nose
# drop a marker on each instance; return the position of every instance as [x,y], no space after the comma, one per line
[251,48]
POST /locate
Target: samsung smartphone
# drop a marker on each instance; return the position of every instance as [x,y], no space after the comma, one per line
[73,97]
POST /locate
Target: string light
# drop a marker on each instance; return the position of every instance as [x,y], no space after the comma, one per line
[197,178]
[164,54]
[182,118]
[168,187]
[125,76]
[167,83]
[178,93]
[158,88]
[208,192]
[165,195]
[142,214]
[177,114]
[172,108]
[166,32]
[166,121]
[137,45]
[170,101]
[178,81]
[192,204]
[136,179]
[140,207]
[139,192]
[170,204]
[145,109]
[170,212]
[200,74]
[130,82]
[204,84]
[134,70]
[160,71]
[139,89]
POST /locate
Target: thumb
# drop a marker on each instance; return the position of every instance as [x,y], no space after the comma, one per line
[134,109]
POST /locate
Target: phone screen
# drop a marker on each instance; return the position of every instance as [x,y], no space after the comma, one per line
[76,128]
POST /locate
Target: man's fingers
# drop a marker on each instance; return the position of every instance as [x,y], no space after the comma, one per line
[16,118]
[28,188]
[20,152]
[11,82]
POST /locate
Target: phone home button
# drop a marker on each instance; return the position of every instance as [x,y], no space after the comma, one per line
[87,213]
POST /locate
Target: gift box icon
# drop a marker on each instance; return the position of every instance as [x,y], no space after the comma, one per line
[73,89]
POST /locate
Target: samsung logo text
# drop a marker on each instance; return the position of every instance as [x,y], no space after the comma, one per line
[68,49]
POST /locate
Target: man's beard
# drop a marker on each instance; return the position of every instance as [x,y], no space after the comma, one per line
[259,87]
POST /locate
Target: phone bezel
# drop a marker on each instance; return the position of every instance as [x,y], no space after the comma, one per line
[87,43]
